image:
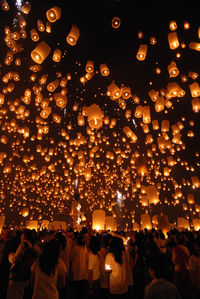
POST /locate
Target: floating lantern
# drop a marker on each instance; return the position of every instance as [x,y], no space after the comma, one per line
[98,220]
[40,53]
[142,52]
[173,40]
[57,55]
[145,222]
[53,14]
[116,22]
[73,35]
[104,70]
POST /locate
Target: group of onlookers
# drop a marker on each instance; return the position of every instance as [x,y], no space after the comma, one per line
[89,264]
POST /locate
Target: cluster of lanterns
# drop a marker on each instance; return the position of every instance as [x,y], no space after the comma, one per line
[49,137]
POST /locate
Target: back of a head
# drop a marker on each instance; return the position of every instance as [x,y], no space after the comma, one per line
[61,239]
[94,244]
[28,235]
[48,260]
[106,240]
[157,264]
[116,248]
[80,241]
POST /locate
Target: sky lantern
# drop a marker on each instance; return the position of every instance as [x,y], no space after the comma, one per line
[34,35]
[173,70]
[173,40]
[53,14]
[40,25]
[173,25]
[116,22]
[146,116]
[104,70]
[98,219]
[89,68]
[73,35]
[113,91]
[152,194]
[40,53]
[95,116]
[129,133]
[26,8]
[145,222]
[194,89]
[141,166]
[194,46]
[142,52]
[183,223]
[195,181]
[57,55]
[195,104]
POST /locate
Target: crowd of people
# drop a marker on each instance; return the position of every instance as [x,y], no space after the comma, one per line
[89,264]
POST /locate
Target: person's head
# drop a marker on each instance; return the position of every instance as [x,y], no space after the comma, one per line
[94,245]
[156,267]
[80,240]
[27,235]
[116,247]
[105,241]
[48,260]
[62,240]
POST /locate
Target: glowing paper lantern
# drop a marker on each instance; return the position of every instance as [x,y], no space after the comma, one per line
[73,35]
[145,221]
[104,70]
[195,104]
[53,14]
[173,70]
[57,225]
[4,5]
[32,224]
[194,46]
[136,227]
[183,223]
[196,224]
[98,219]
[116,22]
[57,55]
[194,89]
[146,116]
[163,223]
[26,8]
[142,52]
[89,68]
[173,40]
[2,221]
[141,166]
[110,223]
[152,194]
[40,53]
[195,181]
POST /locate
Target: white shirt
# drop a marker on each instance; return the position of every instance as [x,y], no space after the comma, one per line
[46,286]
[79,262]
[93,264]
[118,277]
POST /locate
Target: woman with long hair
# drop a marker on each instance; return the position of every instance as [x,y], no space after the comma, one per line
[48,272]
[119,278]
[94,267]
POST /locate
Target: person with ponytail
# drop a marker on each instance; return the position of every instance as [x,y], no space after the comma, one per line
[116,259]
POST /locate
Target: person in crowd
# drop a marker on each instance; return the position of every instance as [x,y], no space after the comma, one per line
[48,272]
[79,259]
[16,287]
[194,267]
[180,258]
[159,287]
[94,267]
[102,255]
[119,279]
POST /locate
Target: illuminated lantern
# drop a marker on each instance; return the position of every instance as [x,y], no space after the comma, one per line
[146,117]
[196,224]
[155,124]
[166,171]
[136,227]
[193,75]
[53,85]
[126,93]
[2,97]
[128,114]
[194,89]
[113,91]
[173,25]
[145,221]
[195,104]
[194,46]
[165,125]
[153,94]
[173,70]
[2,221]
[45,112]
[163,223]
[144,201]
[173,89]
[7,168]
[34,35]
[48,27]
[40,53]
[32,224]
[195,181]
[95,116]
[40,25]
[98,220]
[138,111]
[4,5]
[110,223]
[53,14]
[116,22]
[25,212]
[152,194]
[173,40]
[26,8]
[153,40]
[129,133]
[88,174]
[160,104]
[89,68]
[142,52]
[73,35]
[186,25]
[104,70]
[190,198]
[81,120]
[141,166]
[57,55]
[183,223]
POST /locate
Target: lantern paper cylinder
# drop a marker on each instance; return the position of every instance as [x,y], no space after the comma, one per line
[53,14]
[98,219]
[145,221]
[73,35]
[40,53]
[142,52]
[173,40]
